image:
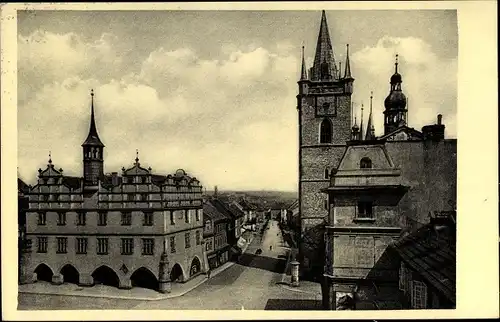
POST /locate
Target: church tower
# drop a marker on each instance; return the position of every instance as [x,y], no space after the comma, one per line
[324,117]
[93,148]
[395,114]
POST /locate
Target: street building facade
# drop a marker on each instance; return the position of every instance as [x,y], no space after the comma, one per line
[137,228]
[216,241]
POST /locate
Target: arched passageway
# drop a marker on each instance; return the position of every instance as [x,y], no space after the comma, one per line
[195,267]
[70,274]
[143,277]
[106,276]
[176,274]
[43,273]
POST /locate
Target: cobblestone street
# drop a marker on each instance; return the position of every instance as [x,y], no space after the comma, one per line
[250,284]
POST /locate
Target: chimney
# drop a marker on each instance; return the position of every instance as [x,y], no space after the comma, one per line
[440,118]
[114,178]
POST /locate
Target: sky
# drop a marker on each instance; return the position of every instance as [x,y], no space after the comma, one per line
[213,92]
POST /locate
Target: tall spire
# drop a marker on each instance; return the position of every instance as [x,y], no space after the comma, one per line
[93,137]
[303,74]
[324,67]
[370,129]
[361,127]
[347,73]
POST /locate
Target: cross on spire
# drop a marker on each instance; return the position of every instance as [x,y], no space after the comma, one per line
[137,155]
[50,157]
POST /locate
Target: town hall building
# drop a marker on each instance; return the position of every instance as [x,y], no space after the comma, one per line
[134,229]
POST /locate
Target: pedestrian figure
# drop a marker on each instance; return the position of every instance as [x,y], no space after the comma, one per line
[209,274]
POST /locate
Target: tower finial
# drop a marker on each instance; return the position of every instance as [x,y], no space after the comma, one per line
[370,129]
[396,64]
[303,74]
[347,73]
[50,157]
[361,125]
[137,155]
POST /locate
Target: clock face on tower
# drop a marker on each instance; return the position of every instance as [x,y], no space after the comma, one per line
[327,106]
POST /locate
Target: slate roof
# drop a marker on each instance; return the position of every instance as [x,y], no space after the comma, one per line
[431,252]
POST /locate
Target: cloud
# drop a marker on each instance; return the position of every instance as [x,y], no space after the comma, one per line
[219,119]
[428,82]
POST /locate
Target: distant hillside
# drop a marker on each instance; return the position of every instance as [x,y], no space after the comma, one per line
[261,199]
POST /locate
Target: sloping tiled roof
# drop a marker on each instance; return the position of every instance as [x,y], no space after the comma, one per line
[212,212]
[236,211]
[72,182]
[431,251]
[22,186]
[246,205]
[221,207]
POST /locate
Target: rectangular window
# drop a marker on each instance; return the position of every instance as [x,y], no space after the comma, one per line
[144,197]
[126,218]
[186,216]
[82,219]
[81,245]
[172,220]
[172,244]
[418,295]
[42,244]
[402,277]
[103,219]
[130,197]
[148,246]
[148,219]
[198,214]
[187,240]
[127,247]
[365,209]
[102,246]
[198,238]
[42,218]
[61,218]
[62,245]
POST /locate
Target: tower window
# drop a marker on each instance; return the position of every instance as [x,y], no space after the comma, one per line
[42,218]
[325,135]
[365,163]
[42,244]
[62,245]
[126,219]
[327,175]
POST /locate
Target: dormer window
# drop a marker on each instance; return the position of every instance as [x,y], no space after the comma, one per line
[365,163]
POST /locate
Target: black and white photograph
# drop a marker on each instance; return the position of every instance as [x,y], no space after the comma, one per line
[245,158]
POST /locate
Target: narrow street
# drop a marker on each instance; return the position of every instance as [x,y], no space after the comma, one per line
[251,284]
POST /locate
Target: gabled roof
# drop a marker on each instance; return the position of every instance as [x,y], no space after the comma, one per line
[22,186]
[246,205]
[409,133]
[223,208]
[210,211]
[236,210]
[431,251]
[72,182]
[294,205]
